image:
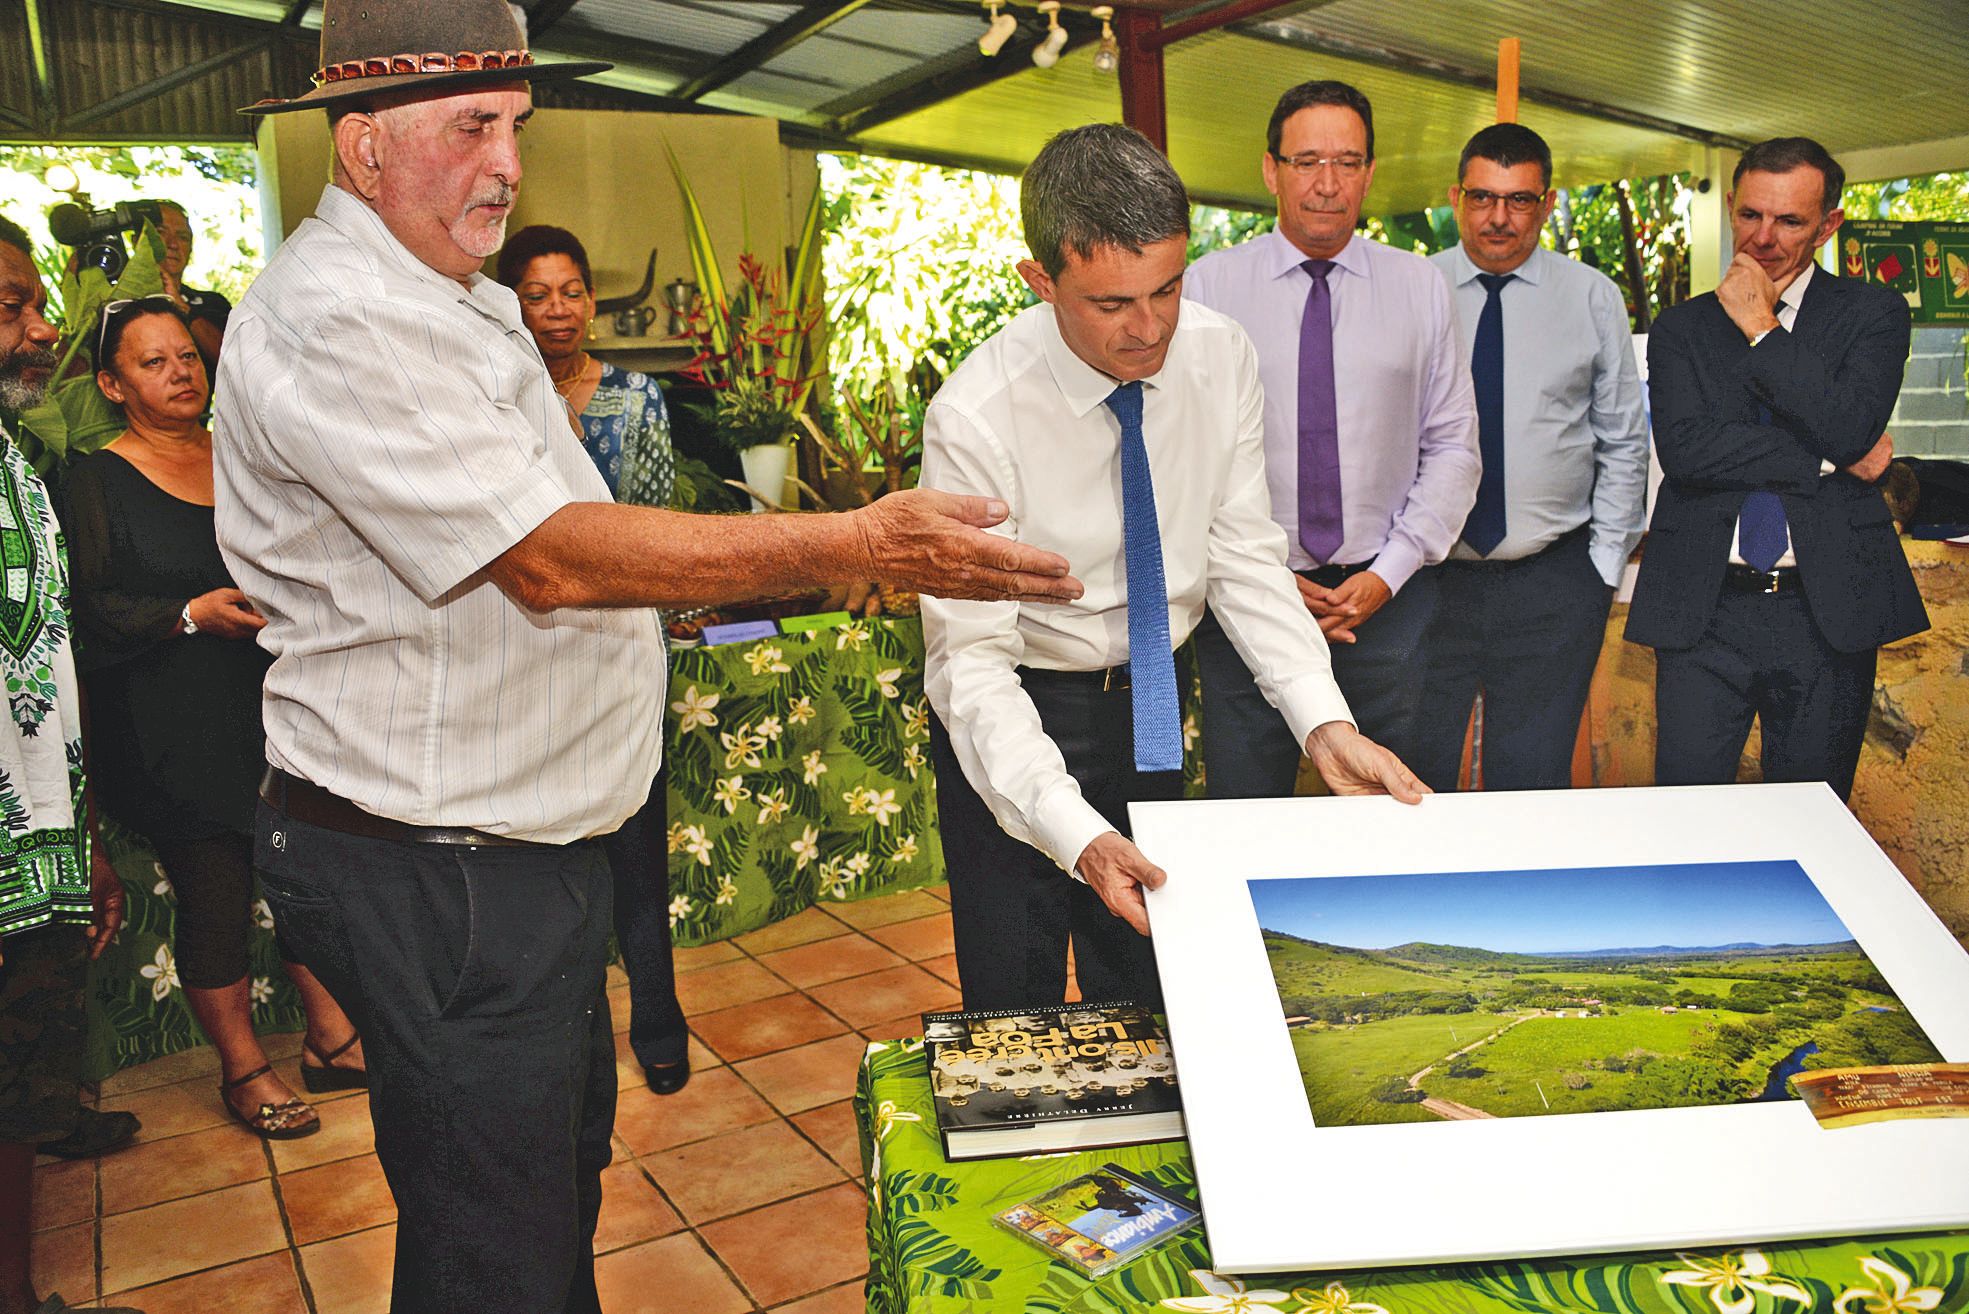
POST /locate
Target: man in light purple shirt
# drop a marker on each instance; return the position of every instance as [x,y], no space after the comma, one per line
[1364,386]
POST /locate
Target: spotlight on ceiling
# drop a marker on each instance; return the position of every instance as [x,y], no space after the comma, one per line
[999,31]
[1047,53]
[1108,57]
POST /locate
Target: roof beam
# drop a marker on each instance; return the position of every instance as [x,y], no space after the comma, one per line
[808,20]
[544,15]
[296,11]
[947,76]
[44,69]
[177,77]
[1286,34]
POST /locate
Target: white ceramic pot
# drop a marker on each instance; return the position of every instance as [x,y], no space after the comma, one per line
[765,469]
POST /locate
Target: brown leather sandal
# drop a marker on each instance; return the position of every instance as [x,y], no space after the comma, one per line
[322,1077]
[287,1121]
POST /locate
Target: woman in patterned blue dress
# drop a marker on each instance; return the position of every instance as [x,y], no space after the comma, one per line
[620,417]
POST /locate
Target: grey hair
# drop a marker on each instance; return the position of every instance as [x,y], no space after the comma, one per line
[1099,185]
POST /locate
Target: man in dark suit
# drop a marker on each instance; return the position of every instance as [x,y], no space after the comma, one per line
[1772,572]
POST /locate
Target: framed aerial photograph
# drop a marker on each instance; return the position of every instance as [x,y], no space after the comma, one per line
[1511,1025]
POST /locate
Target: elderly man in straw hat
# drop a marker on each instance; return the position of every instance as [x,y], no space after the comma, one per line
[468,677]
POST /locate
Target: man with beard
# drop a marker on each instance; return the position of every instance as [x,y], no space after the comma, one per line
[50,883]
[1522,609]
[468,676]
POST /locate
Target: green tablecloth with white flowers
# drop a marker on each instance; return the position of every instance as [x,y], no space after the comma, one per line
[933,1249]
[799,772]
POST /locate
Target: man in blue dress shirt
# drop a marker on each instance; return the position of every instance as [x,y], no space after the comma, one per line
[1370,435]
[1522,608]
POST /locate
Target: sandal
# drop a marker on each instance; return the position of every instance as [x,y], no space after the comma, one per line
[287,1121]
[322,1077]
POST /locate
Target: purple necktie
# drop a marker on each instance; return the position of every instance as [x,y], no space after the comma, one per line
[1320,525]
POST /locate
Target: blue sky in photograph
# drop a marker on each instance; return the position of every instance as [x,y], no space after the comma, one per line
[1567,910]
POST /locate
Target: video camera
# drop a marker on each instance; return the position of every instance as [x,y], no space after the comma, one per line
[97,235]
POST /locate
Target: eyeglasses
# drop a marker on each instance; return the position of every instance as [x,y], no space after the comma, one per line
[115,309]
[1516,202]
[1347,166]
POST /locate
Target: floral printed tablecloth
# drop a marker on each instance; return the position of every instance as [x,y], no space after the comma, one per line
[934,1250]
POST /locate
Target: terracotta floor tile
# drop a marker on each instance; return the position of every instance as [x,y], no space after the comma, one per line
[172,1110]
[629,1072]
[703,955]
[266,1285]
[896,993]
[678,1267]
[739,982]
[633,1211]
[715,1101]
[886,909]
[618,1008]
[918,939]
[808,924]
[615,975]
[938,891]
[65,1191]
[155,1171]
[198,1061]
[797,1246]
[337,1198]
[345,1133]
[63,1260]
[147,1246]
[740,1170]
[807,1077]
[896,1028]
[830,960]
[944,967]
[770,1024]
[351,1274]
[849,1299]
[832,1127]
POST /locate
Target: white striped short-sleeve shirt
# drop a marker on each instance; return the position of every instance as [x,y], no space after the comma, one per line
[381,434]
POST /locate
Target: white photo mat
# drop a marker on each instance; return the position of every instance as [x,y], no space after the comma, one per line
[1280,1194]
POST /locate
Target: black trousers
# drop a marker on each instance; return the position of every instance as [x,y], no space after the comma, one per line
[1526,634]
[1013,911]
[1249,751]
[475,975]
[1762,656]
[639,861]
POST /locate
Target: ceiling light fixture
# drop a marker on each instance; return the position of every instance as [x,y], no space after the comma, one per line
[999,31]
[1108,57]
[1047,53]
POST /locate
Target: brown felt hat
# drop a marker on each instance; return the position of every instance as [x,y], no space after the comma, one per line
[373,47]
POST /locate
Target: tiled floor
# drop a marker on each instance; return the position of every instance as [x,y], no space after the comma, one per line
[741,1193]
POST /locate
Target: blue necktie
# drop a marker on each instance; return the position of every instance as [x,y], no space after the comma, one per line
[1762,534]
[1322,520]
[1151,660]
[1484,530]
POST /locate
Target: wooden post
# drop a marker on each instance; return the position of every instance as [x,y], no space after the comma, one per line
[1507,80]
[1143,107]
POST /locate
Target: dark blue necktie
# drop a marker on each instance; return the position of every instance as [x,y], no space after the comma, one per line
[1484,530]
[1762,534]
[1151,659]
[1322,519]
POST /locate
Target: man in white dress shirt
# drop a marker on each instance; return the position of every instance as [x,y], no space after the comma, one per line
[1124,426]
[468,675]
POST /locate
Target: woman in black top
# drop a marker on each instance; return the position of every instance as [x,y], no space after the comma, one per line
[173,675]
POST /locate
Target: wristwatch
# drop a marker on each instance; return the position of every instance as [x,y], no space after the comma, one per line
[184,618]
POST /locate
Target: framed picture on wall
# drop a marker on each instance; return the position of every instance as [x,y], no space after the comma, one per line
[1512,1025]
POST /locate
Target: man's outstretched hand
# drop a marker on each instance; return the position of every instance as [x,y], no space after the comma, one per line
[1351,763]
[934,542]
[1116,870]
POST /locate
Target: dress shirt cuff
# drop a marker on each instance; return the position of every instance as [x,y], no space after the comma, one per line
[1396,562]
[1064,824]
[1311,701]
[1826,468]
[1761,336]
[1609,557]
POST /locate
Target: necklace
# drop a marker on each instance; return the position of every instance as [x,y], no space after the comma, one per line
[573,381]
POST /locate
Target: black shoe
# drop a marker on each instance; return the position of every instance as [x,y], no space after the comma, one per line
[95,1133]
[668,1078]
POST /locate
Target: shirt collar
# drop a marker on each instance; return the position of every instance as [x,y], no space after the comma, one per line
[1080,384]
[1282,258]
[1466,271]
[1794,295]
[347,215]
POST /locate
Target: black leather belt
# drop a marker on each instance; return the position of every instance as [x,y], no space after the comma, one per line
[1108,679]
[1333,575]
[1747,579]
[306,801]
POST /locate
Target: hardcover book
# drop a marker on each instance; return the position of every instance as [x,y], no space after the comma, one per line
[1099,1220]
[1034,1081]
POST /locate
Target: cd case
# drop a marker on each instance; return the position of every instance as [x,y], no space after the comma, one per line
[1099,1220]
